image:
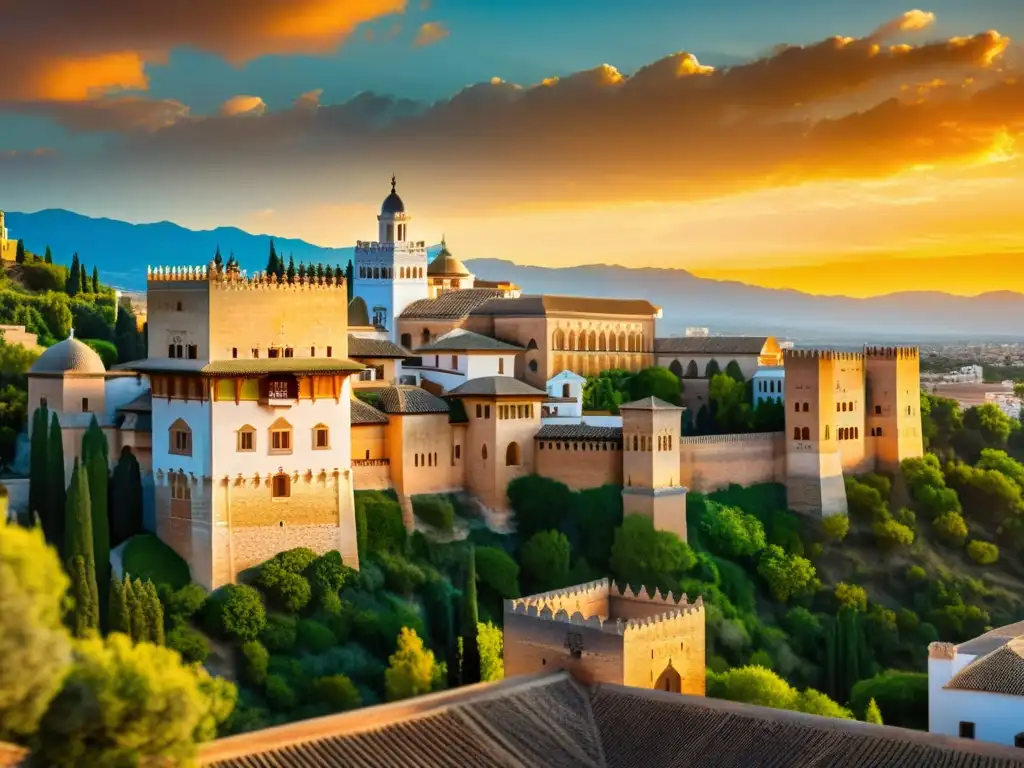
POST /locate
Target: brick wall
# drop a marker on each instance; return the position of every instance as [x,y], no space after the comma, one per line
[710,462]
[582,465]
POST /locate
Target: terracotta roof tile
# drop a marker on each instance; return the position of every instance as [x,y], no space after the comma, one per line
[450,305]
[578,432]
[541,305]
[359,347]
[461,340]
[710,345]
[408,399]
[497,386]
[364,413]
[999,671]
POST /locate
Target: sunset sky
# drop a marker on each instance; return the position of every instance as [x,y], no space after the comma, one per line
[823,145]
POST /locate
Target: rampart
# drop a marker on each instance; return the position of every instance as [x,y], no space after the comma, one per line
[239,279]
[710,462]
[892,353]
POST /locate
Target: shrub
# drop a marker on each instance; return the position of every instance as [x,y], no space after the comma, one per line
[836,527]
[905,516]
[434,510]
[892,534]
[147,558]
[731,532]
[851,596]
[41,277]
[106,351]
[786,575]
[185,603]
[190,643]
[901,697]
[385,530]
[982,552]
[236,612]
[736,584]
[917,575]
[327,574]
[314,636]
[280,694]
[337,692]
[285,588]
[545,559]
[279,634]
[399,574]
[295,560]
[951,528]
[255,660]
[498,571]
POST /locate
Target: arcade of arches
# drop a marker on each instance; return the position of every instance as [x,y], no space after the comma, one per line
[589,351]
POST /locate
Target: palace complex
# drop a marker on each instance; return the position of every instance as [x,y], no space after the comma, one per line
[262,406]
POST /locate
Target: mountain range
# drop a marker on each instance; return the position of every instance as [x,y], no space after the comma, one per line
[122,251]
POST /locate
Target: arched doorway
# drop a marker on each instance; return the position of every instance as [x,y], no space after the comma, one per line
[669,680]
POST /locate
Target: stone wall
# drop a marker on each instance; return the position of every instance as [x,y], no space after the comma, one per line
[313,501]
[711,462]
[580,464]
[252,546]
[372,475]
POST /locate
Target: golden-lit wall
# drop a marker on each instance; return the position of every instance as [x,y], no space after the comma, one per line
[421,451]
[711,462]
[389,378]
[178,312]
[67,394]
[848,416]
[580,464]
[414,333]
[894,383]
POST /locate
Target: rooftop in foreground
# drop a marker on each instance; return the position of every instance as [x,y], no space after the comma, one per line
[554,721]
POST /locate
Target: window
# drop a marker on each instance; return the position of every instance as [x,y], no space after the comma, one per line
[180,490]
[512,458]
[281,486]
[234,352]
[533,366]
[487,411]
[312,351]
[483,452]
[407,340]
[458,451]
[796,407]
[329,351]
[85,405]
[455,362]
[966,729]
[42,402]
[501,365]
[878,431]
[246,439]
[180,307]
[805,433]
[479,411]
[273,352]
[796,433]
[181,438]
[1018,740]
[289,352]
[179,350]
[321,437]
[193,351]
[170,350]
[878,410]
[281,437]
[255,351]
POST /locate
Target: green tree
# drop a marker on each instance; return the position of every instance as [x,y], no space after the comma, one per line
[539,504]
[498,571]
[126,498]
[74,284]
[126,705]
[273,261]
[34,644]
[119,616]
[154,611]
[545,559]
[135,595]
[337,692]
[470,672]
[19,252]
[988,419]
[85,613]
[873,714]
[492,652]
[127,338]
[643,556]
[218,260]
[901,697]
[411,668]
[237,612]
[951,528]
[49,256]
[290,272]
[57,484]
[96,464]
[836,527]
[732,370]
[39,479]
[656,381]
[730,532]
[982,552]
[848,659]
[78,517]
[851,596]
[349,279]
[255,661]
[95,279]
[730,404]
[760,686]
[84,273]
[786,575]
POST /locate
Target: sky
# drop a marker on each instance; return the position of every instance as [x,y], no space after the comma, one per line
[821,145]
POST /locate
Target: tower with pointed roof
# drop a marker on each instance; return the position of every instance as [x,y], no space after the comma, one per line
[651,483]
[390,273]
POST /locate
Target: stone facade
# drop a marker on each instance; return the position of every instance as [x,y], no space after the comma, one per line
[605,634]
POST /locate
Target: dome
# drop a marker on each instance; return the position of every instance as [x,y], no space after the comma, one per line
[69,356]
[357,314]
[446,264]
[392,203]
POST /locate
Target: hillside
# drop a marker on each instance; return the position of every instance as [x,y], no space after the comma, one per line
[122,251]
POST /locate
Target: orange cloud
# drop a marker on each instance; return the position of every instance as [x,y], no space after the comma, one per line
[68,51]
[243,105]
[431,32]
[911,21]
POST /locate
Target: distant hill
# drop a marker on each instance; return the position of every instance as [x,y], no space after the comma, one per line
[122,251]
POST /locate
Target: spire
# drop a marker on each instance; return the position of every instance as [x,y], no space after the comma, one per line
[393,182]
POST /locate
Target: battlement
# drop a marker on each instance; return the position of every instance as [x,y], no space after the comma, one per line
[892,353]
[938,650]
[744,437]
[540,607]
[239,279]
[822,354]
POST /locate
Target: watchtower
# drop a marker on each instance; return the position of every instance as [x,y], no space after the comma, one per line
[894,405]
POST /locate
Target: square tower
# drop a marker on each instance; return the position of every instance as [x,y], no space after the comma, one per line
[390,273]
[814,471]
[651,483]
[251,417]
[894,405]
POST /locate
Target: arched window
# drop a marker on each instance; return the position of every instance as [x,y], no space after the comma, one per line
[558,339]
[425,336]
[602,342]
[565,391]
[796,407]
[280,437]
[416,459]
[512,455]
[572,340]
[180,438]
[592,341]
[806,407]
[321,437]
[622,341]
[856,433]
[531,345]
[281,486]
[181,496]
[677,368]
[636,443]
[180,306]
[483,452]
[805,433]
[246,439]
[796,433]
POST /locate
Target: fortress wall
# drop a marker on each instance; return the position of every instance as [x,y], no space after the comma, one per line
[711,462]
[534,645]
[675,641]
[372,477]
[582,465]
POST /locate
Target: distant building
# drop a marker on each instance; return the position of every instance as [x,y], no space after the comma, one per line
[769,384]
[16,334]
[976,689]
[8,247]
[694,332]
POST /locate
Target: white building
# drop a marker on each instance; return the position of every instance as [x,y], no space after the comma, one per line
[391,272]
[565,399]
[769,384]
[969,374]
[460,355]
[976,689]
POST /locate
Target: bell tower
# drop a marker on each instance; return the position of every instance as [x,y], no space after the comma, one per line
[390,273]
[650,464]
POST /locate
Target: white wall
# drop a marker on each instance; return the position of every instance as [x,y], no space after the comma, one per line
[997,717]
[763,382]
[197,416]
[228,418]
[480,365]
[122,390]
[442,378]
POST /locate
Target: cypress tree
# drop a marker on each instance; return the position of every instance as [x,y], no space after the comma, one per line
[218,259]
[84,273]
[56,484]
[125,498]
[349,279]
[49,256]
[137,610]
[96,463]
[85,617]
[38,479]
[338,275]
[846,652]
[290,273]
[470,618]
[118,616]
[95,279]
[78,518]
[154,611]
[74,283]
[302,269]
[320,271]
[273,262]
[19,252]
